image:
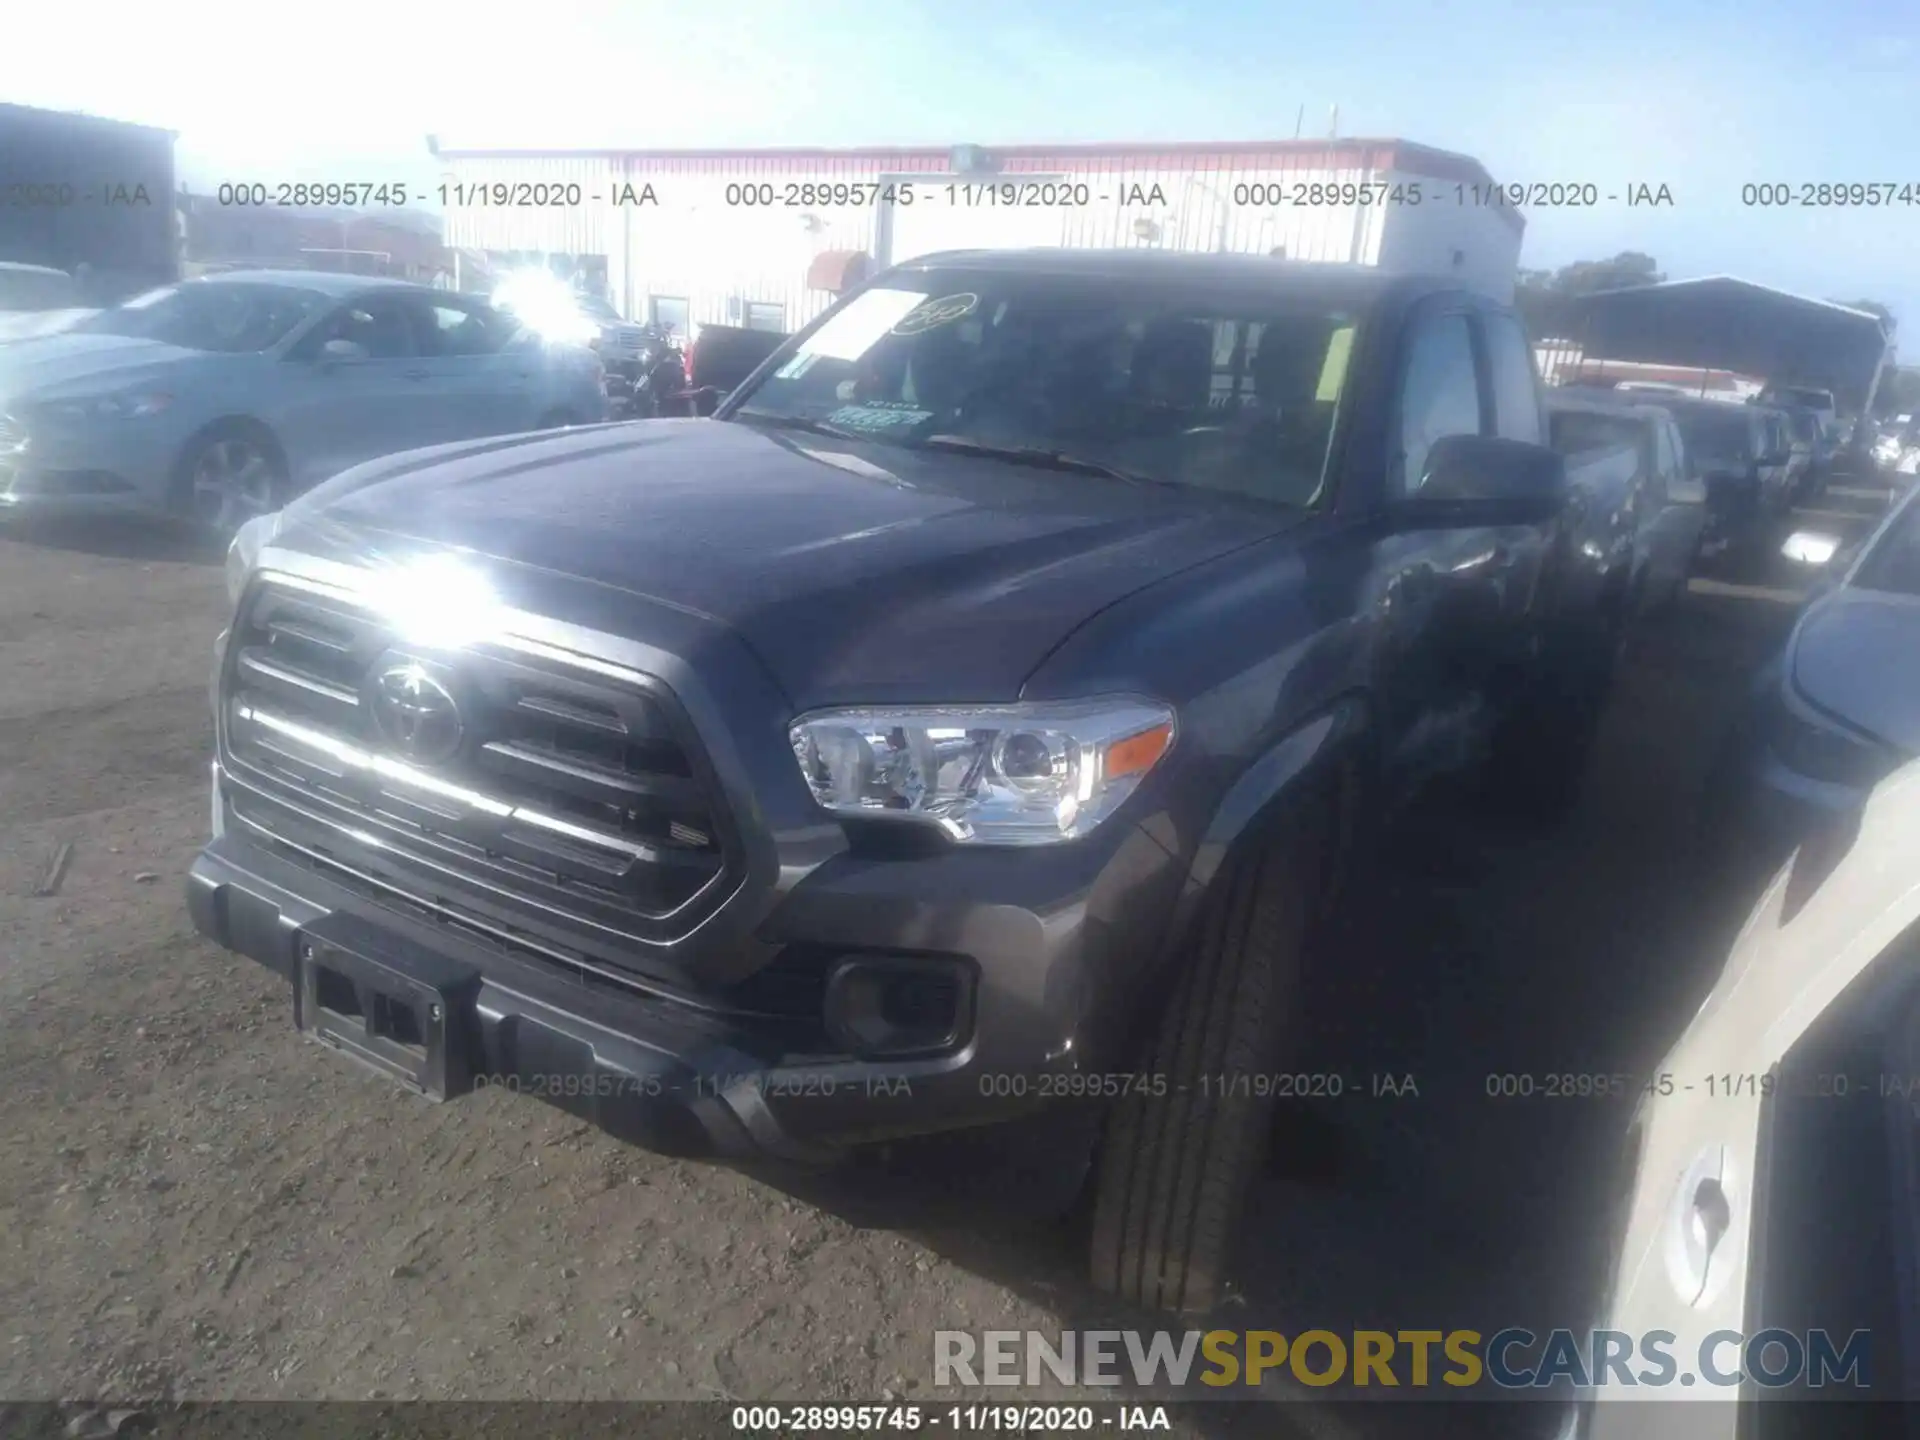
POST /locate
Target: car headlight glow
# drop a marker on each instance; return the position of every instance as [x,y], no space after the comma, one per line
[244,552]
[1029,774]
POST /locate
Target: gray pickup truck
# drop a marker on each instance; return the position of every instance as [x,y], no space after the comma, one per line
[970,724]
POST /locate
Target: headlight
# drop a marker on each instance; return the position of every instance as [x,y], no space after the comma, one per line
[988,775]
[112,407]
[244,553]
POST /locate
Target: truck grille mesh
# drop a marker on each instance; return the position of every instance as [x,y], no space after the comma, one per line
[513,786]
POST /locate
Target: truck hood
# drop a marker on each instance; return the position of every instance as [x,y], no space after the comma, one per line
[59,366]
[858,573]
[1853,656]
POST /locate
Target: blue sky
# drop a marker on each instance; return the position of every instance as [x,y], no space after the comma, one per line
[1702,97]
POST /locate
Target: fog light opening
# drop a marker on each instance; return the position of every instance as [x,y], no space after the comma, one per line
[896,1005]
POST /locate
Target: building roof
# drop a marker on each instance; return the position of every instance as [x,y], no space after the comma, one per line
[33,114]
[1370,155]
[1722,322]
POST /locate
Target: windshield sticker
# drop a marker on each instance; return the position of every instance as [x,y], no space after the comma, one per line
[935,313]
[879,415]
[1333,374]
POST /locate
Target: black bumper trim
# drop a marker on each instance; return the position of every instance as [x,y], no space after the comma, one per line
[679,1083]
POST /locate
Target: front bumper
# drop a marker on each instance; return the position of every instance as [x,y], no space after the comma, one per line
[668,1073]
[115,467]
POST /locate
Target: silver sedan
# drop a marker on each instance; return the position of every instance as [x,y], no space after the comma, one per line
[218,399]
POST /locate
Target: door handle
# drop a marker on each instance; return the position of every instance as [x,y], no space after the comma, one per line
[417,373]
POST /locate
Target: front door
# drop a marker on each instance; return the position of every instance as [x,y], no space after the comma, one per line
[335,411]
[477,384]
[1437,607]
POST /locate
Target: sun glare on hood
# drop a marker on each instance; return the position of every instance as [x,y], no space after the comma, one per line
[438,600]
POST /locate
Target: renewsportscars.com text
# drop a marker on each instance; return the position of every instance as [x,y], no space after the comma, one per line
[1511,1359]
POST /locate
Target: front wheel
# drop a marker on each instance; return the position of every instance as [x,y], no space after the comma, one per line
[1181,1154]
[227,478]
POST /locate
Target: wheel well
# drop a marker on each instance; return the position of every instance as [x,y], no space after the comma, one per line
[1337,791]
[230,425]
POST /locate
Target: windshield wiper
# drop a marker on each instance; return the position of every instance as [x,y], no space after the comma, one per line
[1039,457]
[798,422]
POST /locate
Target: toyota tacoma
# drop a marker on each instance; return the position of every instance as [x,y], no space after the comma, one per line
[963,728]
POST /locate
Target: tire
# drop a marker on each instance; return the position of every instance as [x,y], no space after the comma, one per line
[226,476]
[1175,1169]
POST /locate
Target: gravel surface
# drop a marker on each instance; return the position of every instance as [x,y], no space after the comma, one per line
[196,1204]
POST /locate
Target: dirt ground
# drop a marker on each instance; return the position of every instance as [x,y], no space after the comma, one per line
[196,1204]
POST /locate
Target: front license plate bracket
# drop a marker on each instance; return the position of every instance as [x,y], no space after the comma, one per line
[409,1029]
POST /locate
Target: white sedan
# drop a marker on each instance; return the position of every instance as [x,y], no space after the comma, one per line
[1772,1167]
[36,300]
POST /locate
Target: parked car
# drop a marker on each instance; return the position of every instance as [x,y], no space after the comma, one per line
[1742,460]
[720,358]
[1893,438]
[995,689]
[558,313]
[1658,513]
[1780,479]
[1839,707]
[37,300]
[1769,1177]
[1803,397]
[218,399]
[1812,451]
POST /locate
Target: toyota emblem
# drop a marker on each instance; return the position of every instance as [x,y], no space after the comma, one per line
[417,713]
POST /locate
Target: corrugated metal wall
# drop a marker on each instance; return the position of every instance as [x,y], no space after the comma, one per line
[723,234]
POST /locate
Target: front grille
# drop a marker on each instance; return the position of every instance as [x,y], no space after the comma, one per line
[514,787]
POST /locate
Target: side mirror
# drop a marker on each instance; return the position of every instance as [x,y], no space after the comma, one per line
[339,352]
[1484,479]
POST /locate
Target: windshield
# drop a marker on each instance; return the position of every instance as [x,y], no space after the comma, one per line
[1577,430]
[1715,438]
[1893,564]
[1789,395]
[223,316]
[1237,396]
[37,290]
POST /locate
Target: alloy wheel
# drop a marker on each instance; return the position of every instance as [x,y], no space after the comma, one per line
[233,481]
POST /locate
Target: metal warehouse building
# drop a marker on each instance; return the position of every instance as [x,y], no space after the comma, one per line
[766,237]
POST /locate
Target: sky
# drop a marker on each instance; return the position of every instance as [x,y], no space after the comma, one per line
[1699,95]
